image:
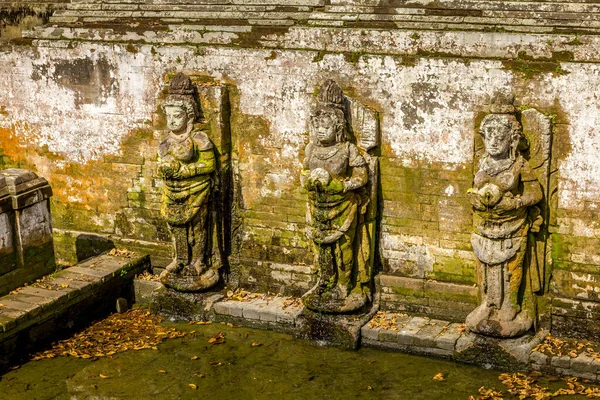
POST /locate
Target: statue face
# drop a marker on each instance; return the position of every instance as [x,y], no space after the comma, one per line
[325,129]
[177,119]
[496,138]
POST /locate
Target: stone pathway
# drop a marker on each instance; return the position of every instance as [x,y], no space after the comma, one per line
[38,312]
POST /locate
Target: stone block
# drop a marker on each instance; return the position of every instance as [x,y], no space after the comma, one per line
[560,362]
[447,338]
[407,335]
[582,363]
[539,359]
[370,333]
[387,336]
[179,306]
[26,247]
[251,312]
[426,337]
[143,291]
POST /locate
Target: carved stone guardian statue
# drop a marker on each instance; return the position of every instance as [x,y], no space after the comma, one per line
[186,165]
[336,174]
[505,192]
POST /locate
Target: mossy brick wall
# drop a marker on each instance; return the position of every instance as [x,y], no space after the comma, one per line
[84,115]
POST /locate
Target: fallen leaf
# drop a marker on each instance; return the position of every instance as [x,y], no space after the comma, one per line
[162,371]
[104,376]
[199,375]
[439,377]
[192,386]
[256,344]
[194,358]
[219,338]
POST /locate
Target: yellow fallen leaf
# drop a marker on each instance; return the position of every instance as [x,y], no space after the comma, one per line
[194,358]
[193,386]
[104,376]
[439,377]
[256,344]
[162,371]
[199,375]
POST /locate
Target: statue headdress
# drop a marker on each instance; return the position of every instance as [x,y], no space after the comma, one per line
[182,93]
[331,102]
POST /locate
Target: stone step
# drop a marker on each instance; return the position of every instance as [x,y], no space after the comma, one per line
[412,334]
[34,314]
[270,312]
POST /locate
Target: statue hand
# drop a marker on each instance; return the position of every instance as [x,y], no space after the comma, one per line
[167,169]
[182,172]
[475,200]
[508,203]
[334,187]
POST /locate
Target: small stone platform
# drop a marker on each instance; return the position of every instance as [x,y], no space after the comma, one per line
[275,313]
[63,301]
[433,337]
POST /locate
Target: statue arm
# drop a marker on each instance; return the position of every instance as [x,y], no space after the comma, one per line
[359,178]
[532,193]
[204,165]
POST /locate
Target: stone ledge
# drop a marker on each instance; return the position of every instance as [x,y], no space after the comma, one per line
[431,43]
[259,313]
[64,300]
[429,337]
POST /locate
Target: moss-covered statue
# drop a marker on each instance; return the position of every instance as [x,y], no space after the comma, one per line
[504,196]
[336,175]
[186,165]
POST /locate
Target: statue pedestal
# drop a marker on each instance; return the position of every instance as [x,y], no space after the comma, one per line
[510,354]
[178,306]
[332,329]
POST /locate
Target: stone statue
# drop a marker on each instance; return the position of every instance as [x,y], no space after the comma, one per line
[504,196]
[336,175]
[186,165]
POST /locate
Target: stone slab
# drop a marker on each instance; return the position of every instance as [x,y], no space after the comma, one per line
[259,313]
[57,304]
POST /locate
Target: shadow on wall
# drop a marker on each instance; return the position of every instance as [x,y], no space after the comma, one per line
[88,246]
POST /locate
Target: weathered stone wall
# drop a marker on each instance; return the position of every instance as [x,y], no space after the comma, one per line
[80,108]
[17,16]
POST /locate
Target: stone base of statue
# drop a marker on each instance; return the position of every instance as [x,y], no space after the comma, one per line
[332,302]
[190,283]
[179,306]
[509,354]
[341,330]
[487,321]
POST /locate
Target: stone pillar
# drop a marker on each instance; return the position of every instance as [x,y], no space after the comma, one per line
[25,228]
[8,253]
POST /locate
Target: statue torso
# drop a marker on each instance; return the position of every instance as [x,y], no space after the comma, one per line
[334,159]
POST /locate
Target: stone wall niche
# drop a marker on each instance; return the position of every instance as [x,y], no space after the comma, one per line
[26,246]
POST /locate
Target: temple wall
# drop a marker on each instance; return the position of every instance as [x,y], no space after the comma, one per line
[84,115]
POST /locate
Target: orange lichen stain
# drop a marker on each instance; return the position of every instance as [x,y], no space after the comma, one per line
[99,186]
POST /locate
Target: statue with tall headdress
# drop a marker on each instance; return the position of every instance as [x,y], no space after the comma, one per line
[505,194]
[186,165]
[336,175]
